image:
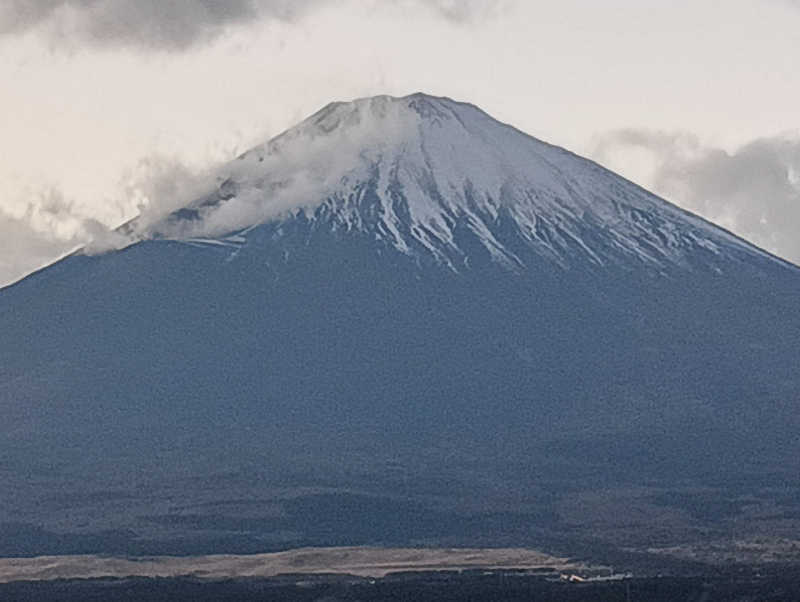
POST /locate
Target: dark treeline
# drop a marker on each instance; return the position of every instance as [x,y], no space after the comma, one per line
[733,586]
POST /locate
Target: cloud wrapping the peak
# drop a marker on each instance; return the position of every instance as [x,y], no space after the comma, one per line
[754,191]
[294,171]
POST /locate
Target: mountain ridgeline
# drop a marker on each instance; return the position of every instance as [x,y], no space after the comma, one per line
[399,322]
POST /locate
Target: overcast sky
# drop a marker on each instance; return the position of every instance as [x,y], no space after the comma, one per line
[106,101]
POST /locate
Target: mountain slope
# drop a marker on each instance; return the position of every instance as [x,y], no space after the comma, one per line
[399,322]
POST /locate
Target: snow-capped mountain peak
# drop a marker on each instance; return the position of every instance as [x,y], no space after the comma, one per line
[420,173]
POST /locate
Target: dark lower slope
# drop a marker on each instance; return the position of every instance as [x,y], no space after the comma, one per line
[731,586]
[315,388]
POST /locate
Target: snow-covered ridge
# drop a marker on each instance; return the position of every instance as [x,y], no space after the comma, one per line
[411,171]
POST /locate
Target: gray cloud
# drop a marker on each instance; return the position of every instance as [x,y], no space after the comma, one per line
[754,191]
[464,11]
[165,24]
[180,24]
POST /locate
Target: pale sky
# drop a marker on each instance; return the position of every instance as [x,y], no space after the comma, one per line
[104,100]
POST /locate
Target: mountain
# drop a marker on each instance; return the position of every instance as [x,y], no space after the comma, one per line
[402,322]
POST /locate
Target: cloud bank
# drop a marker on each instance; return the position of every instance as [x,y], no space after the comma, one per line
[754,191]
[176,25]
